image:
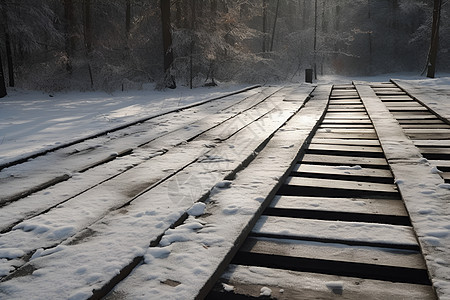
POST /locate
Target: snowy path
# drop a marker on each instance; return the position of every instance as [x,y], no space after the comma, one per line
[158,210]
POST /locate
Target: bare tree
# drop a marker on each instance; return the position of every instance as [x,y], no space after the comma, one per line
[167,43]
[432,56]
[2,80]
[9,56]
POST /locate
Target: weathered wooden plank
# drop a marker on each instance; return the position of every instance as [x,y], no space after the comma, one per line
[349,148]
[404,103]
[418,121]
[351,205]
[432,143]
[363,126]
[434,126]
[345,102]
[320,251]
[342,170]
[342,135]
[341,184]
[287,285]
[342,160]
[356,233]
[360,142]
[347,130]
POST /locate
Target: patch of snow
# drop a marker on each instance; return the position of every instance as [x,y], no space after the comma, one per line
[197,209]
[265,291]
[227,287]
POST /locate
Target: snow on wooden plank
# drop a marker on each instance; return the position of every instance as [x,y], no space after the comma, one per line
[359,142]
[198,260]
[343,160]
[425,194]
[345,148]
[427,96]
[119,240]
[334,252]
[340,184]
[284,284]
[350,205]
[351,233]
[342,170]
[77,157]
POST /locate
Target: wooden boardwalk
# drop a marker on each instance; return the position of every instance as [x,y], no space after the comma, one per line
[287,192]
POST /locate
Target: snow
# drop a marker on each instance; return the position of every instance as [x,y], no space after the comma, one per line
[70,259]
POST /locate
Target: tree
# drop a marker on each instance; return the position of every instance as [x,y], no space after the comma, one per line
[7,38]
[2,80]
[432,56]
[167,43]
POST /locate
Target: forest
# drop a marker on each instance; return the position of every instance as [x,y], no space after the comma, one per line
[56,45]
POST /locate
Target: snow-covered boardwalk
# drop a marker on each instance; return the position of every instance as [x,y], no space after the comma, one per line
[159,209]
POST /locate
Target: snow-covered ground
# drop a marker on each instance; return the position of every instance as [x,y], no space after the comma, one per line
[32,121]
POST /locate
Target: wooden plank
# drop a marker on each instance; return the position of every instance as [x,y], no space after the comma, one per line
[341,184]
[348,115]
[363,126]
[350,148]
[364,136]
[347,130]
[360,142]
[350,233]
[333,252]
[404,103]
[417,121]
[287,285]
[342,160]
[346,121]
[344,97]
[434,126]
[351,205]
[429,136]
[434,150]
[432,143]
[343,87]
[342,170]
[345,102]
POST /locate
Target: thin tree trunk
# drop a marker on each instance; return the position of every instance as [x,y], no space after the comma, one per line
[315,39]
[274,25]
[69,33]
[128,17]
[167,43]
[9,57]
[88,37]
[264,26]
[432,57]
[191,56]
[2,80]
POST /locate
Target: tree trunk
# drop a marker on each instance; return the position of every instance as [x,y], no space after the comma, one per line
[69,33]
[2,80]
[167,43]
[264,24]
[88,37]
[191,56]
[274,25]
[432,57]
[128,17]
[9,58]
[315,39]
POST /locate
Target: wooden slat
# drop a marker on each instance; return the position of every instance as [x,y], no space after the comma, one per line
[341,184]
[433,126]
[287,285]
[435,143]
[363,126]
[347,130]
[360,142]
[342,160]
[351,205]
[363,136]
[350,233]
[333,252]
[342,170]
[346,121]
